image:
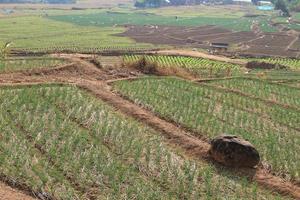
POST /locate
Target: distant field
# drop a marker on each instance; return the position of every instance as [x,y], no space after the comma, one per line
[40,34]
[264,113]
[142,18]
[16,64]
[79,4]
[225,11]
[87,150]
[65,30]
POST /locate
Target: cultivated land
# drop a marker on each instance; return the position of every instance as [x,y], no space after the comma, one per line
[25,63]
[199,67]
[247,30]
[265,114]
[101,126]
[109,155]
[165,166]
[39,34]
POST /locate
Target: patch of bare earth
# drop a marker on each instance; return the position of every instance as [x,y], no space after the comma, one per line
[254,43]
[93,79]
[9,193]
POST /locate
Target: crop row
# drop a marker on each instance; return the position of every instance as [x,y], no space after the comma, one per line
[288,62]
[87,49]
[211,111]
[263,89]
[13,64]
[198,66]
[59,34]
[73,146]
[275,75]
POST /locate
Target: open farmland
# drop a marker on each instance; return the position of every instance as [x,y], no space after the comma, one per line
[126,103]
[276,75]
[124,18]
[119,29]
[32,33]
[109,155]
[208,109]
[200,67]
[82,4]
[240,42]
[26,63]
[287,62]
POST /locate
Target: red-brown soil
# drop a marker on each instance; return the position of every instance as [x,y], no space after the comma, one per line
[87,76]
[9,193]
[235,38]
[244,43]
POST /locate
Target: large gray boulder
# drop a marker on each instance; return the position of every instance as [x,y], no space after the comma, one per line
[232,151]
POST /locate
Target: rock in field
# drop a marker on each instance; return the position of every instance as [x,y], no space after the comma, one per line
[234,152]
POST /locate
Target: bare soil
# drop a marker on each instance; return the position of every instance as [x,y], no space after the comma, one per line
[9,193]
[252,43]
[95,80]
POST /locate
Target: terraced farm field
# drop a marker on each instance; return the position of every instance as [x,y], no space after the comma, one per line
[266,114]
[275,75]
[35,34]
[197,66]
[122,103]
[89,151]
[16,64]
[124,18]
[288,62]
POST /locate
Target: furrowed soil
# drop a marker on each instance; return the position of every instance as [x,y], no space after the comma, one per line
[88,76]
[246,43]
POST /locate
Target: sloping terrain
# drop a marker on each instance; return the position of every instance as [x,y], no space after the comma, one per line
[67,108]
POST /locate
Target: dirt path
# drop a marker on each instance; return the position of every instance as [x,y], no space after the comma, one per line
[195,147]
[177,52]
[8,193]
[292,43]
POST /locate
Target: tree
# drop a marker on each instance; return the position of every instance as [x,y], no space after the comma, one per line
[281,5]
[255,2]
[140,4]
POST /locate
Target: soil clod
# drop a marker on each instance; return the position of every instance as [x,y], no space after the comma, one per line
[234,152]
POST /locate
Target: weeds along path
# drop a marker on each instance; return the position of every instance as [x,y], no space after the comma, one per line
[87,76]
